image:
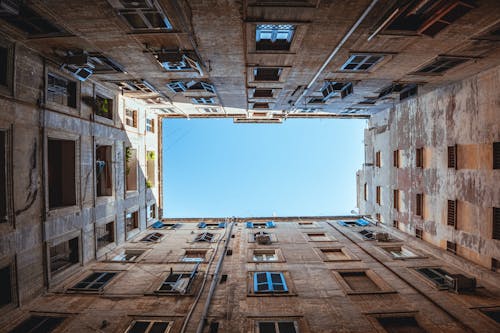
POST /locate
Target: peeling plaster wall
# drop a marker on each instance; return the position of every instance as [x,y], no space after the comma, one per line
[465,114]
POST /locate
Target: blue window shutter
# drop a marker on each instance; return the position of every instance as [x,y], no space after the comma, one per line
[285,288]
[342,223]
[261,279]
[202,225]
[157,225]
[270,224]
[222,224]
[362,222]
[249,224]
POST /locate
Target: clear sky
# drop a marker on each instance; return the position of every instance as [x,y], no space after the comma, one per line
[215,168]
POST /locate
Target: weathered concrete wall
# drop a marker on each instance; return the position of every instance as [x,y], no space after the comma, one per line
[463,114]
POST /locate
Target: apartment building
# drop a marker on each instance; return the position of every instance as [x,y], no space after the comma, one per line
[431,168]
[288,275]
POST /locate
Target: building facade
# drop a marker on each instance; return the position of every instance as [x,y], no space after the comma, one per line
[289,275]
[432,168]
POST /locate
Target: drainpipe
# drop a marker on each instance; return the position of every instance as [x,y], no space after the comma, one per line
[215,280]
[41,124]
[94,180]
[334,52]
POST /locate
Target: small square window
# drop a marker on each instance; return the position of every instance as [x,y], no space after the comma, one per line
[38,324]
[152,237]
[269,282]
[451,247]
[94,282]
[275,37]
[261,105]
[149,326]
[105,234]
[61,90]
[64,255]
[270,326]
[265,255]
[367,234]
[267,73]
[361,62]
[104,107]
[131,118]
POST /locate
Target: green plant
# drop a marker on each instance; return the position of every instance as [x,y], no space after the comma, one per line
[149,184]
[151,155]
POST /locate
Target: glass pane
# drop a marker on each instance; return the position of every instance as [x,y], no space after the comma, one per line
[267,328]
[287,327]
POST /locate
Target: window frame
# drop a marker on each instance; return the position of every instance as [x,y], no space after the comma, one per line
[151,324]
[274,30]
[349,256]
[44,317]
[71,106]
[366,56]
[7,88]
[277,253]
[9,219]
[271,285]
[99,274]
[432,68]
[381,284]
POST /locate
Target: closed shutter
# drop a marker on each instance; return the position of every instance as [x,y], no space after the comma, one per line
[452,213]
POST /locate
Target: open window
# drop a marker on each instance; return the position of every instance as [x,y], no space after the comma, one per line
[61,90]
[260,225]
[144,15]
[7,290]
[64,255]
[265,255]
[333,89]
[400,323]
[277,326]
[152,237]
[37,324]
[104,107]
[178,282]
[131,255]
[105,234]
[263,238]
[131,169]
[274,37]
[361,62]
[151,212]
[149,326]
[61,173]
[205,237]
[195,255]
[104,170]
[131,222]
[150,125]
[269,282]
[267,73]
[131,117]
[94,282]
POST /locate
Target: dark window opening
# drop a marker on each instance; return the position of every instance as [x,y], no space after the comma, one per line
[150,18]
[395,158]
[104,107]
[152,237]
[452,213]
[104,170]
[32,23]
[94,282]
[419,204]
[261,106]
[64,255]
[395,224]
[131,221]
[61,91]
[3,177]
[427,17]
[496,155]
[267,73]
[452,157]
[419,233]
[493,314]
[495,265]
[223,278]
[436,275]
[378,159]
[4,63]
[359,281]
[274,37]
[496,223]
[61,173]
[263,93]
[378,191]
[396,200]
[403,90]
[277,327]
[419,157]
[441,65]
[5,286]
[451,247]
[38,324]
[178,282]
[105,234]
[400,324]
[148,326]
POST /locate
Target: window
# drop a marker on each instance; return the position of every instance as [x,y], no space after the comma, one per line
[259,225]
[452,157]
[265,255]
[441,65]
[150,169]
[151,212]
[277,327]
[399,252]
[368,234]
[145,17]
[6,285]
[262,237]
[452,213]
[361,62]
[131,118]
[105,234]
[131,221]
[378,217]
[365,191]
[419,157]
[419,206]
[104,170]
[269,282]
[396,199]
[496,155]
[152,237]
[336,89]
[435,275]
[496,223]
[61,90]
[495,265]
[130,169]
[173,61]
[263,93]
[261,105]
[38,324]
[135,85]
[395,224]
[427,18]
[203,100]
[378,194]
[178,282]
[149,326]
[451,247]
[3,178]
[104,107]
[194,255]
[359,281]
[400,324]
[176,86]
[378,160]
[419,233]
[267,73]
[128,255]
[32,23]
[64,255]
[493,313]
[94,282]
[275,37]
[150,125]
[6,64]
[318,237]
[334,254]
[61,173]
[404,90]
[204,237]
[395,158]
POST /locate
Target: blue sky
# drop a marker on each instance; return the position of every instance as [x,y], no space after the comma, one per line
[214,168]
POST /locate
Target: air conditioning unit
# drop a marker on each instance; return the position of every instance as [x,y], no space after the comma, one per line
[10,7]
[459,283]
[382,236]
